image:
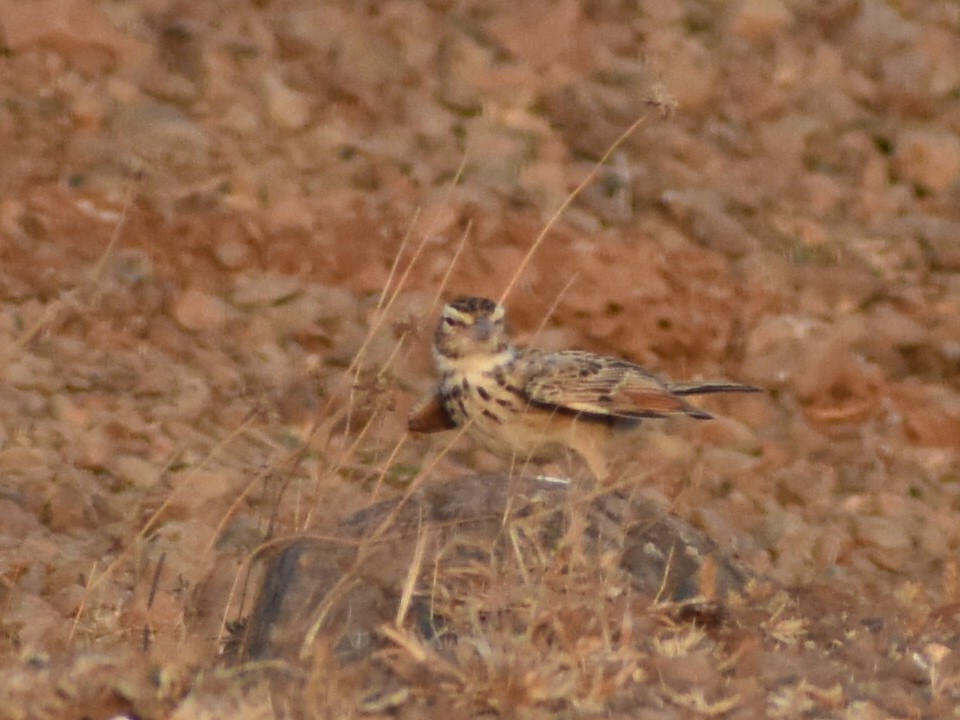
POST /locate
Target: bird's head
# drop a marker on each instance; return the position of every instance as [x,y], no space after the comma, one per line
[470,327]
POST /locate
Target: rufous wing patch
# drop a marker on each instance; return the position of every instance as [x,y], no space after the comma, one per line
[640,400]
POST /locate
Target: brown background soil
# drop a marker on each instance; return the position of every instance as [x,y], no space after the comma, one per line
[201,205]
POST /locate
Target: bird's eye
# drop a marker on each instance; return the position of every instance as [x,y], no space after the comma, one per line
[449,321]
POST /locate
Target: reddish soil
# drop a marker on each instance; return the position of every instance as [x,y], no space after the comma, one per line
[224,231]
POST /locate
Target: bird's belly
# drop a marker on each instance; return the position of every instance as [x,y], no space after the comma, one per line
[500,419]
[521,437]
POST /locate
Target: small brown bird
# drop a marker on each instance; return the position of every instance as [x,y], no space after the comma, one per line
[522,403]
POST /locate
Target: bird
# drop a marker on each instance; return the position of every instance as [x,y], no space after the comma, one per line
[524,403]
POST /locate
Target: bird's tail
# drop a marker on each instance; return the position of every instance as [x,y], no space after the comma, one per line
[709,388]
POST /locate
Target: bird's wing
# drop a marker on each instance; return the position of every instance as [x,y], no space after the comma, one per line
[597,385]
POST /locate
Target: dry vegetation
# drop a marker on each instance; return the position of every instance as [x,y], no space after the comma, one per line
[224,232]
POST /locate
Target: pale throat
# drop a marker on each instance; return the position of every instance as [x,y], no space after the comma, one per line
[475,365]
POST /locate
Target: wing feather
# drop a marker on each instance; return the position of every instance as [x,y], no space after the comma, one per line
[583,382]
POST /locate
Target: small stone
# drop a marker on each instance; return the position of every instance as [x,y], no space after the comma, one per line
[75,29]
[881,28]
[705,217]
[291,213]
[692,75]
[539,34]
[232,253]
[835,382]
[20,459]
[730,435]
[931,413]
[884,532]
[286,108]
[945,252]
[760,19]
[889,325]
[774,349]
[136,470]
[159,134]
[192,397]
[196,310]
[17,522]
[939,45]
[34,622]
[88,110]
[266,289]
[194,488]
[294,315]
[928,157]
[131,266]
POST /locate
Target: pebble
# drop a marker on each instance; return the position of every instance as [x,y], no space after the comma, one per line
[232,253]
[774,349]
[265,289]
[196,310]
[888,325]
[929,157]
[884,532]
[760,19]
[931,413]
[136,470]
[286,108]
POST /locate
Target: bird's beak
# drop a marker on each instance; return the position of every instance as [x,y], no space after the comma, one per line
[483,328]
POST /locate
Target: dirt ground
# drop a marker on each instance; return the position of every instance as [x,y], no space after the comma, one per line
[225,229]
